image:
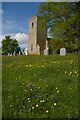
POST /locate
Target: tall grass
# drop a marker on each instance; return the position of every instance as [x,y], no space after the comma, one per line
[40,86]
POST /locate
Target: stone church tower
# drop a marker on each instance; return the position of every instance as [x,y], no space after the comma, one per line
[37,39]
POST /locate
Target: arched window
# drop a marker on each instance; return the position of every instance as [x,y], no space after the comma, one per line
[31,47]
[32,25]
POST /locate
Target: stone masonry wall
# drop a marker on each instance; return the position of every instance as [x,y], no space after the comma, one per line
[36,37]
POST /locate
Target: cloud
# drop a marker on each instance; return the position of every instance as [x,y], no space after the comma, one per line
[8,25]
[1,37]
[10,22]
[1,11]
[22,39]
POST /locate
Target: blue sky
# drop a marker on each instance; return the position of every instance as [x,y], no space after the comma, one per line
[17,14]
[15,18]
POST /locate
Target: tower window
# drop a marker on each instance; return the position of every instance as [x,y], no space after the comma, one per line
[31,47]
[32,25]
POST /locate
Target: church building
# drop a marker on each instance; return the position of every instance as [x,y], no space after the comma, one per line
[37,39]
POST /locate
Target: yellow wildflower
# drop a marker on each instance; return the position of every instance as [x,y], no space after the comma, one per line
[28,98]
[70,73]
[37,105]
[31,89]
[40,101]
[42,65]
[29,101]
[54,104]
[56,87]
[65,71]
[26,65]
[23,83]
[46,111]
[33,107]
[30,65]
[43,101]
[76,72]
[57,91]
[38,87]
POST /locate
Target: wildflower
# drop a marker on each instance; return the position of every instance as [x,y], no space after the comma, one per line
[26,65]
[30,65]
[42,65]
[31,89]
[28,98]
[29,101]
[76,72]
[38,87]
[46,111]
[33,107]
[11,105]
[57,91]
[40,101]
[56,87]
[43,101]
[65,71]
[37,105]
[70,73]
[54,104]
[23,83]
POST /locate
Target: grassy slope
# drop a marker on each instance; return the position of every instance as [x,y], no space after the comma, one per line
[50,82]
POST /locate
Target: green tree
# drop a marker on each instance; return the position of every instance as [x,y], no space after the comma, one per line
[9,45]
[62,21]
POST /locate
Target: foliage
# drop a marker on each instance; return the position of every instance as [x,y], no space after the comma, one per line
[9,45]
[62,21]
[40,86]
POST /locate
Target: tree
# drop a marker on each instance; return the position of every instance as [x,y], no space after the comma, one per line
[62,21]
[9,45]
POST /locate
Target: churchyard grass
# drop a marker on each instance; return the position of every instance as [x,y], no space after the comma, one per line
[40,86]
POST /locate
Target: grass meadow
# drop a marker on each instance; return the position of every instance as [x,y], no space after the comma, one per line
[40,86]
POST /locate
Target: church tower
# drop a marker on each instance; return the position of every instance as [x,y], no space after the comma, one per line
[36,38]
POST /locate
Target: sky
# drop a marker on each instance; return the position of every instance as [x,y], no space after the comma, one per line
[15,16]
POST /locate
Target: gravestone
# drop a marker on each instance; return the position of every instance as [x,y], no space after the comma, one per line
[19,53]
[8,54]
[63,51]
[38,49]
[46,51]
[14,54]
[26,52]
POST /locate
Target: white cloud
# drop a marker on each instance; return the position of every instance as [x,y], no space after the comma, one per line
[22,38]
[8,25]
[10,22]
[1,37]
[1,11]
[11,26]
